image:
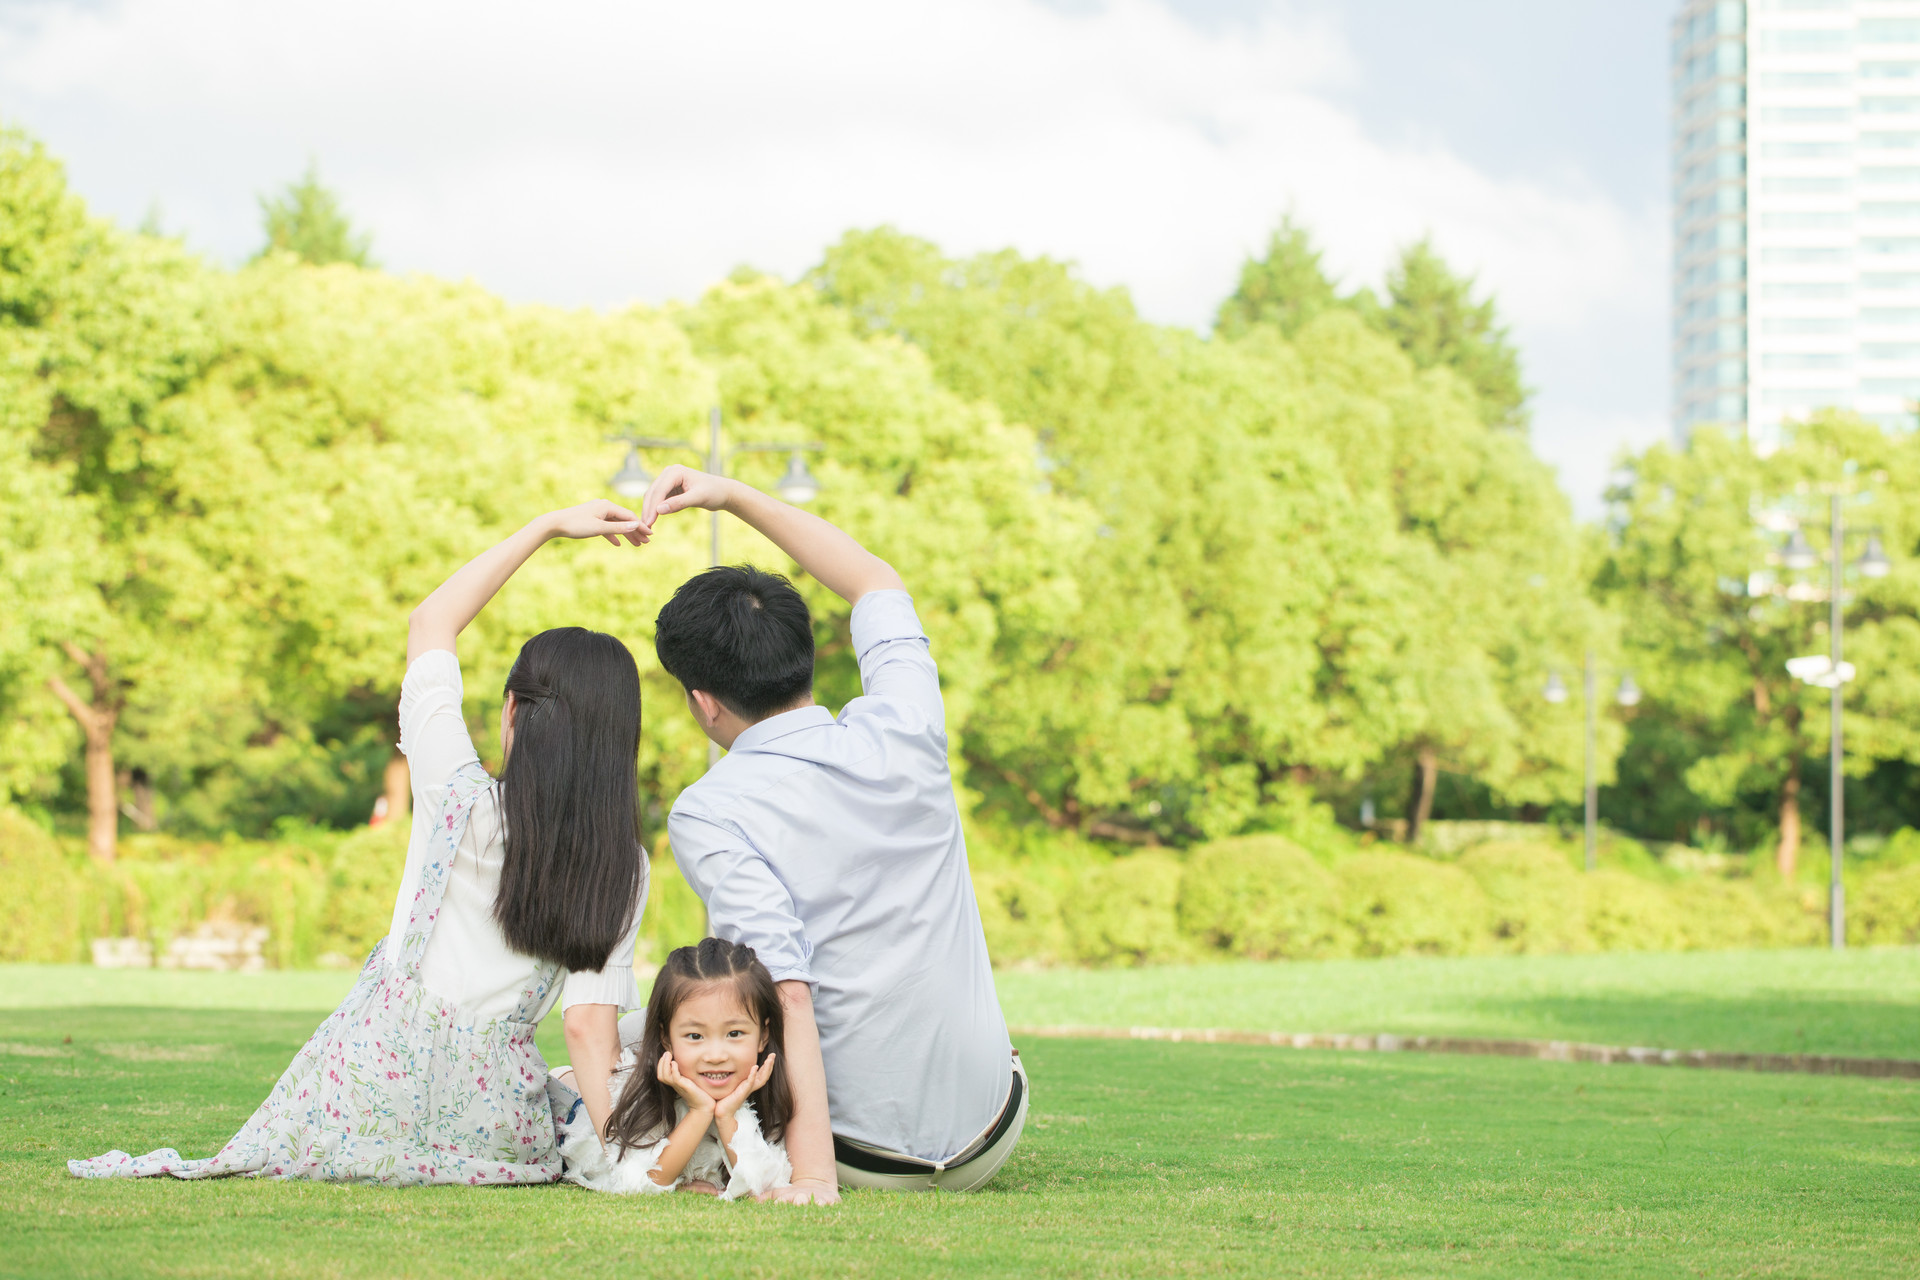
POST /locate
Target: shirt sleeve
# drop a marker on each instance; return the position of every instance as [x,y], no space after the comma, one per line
[896,660]
[613,983]
[746,902]
[433,732]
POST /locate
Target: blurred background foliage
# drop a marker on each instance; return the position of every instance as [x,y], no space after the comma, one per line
[1205,606]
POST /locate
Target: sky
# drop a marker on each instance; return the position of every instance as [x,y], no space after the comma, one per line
[597,152]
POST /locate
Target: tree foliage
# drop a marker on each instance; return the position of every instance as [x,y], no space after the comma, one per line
[306,220]
[1431,312]
[1711,614]
[1312,555]
[1179,583]
[1286,288]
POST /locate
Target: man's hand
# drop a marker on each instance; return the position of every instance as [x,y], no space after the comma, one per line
[681,488]
[807,1191]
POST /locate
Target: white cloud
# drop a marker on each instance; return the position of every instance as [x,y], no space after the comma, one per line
[597,151]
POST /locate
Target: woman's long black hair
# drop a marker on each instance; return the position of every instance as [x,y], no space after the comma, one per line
[645,1107]
[570,799]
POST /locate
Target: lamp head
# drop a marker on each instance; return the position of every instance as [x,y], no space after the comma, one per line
[1629,694]
[1873,562]
[1799,552]
[797,486]
[632,480]
[1555,690]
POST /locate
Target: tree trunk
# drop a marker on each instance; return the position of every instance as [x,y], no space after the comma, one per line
[1787,858]
[1426,774]
[97,720]
[398,786]
[137,784]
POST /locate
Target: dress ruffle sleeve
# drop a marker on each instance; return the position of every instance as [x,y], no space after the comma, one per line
[758,1165]
[590,1164]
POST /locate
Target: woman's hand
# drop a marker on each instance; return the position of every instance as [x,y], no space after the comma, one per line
[725,1108]
[598,519]
[442,616]
[668,1073]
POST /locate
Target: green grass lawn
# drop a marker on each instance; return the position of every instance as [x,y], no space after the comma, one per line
[1139,1158]
[1864,1002]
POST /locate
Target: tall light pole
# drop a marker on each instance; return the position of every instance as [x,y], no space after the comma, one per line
[1626,695]
[797,486]
[1834,673]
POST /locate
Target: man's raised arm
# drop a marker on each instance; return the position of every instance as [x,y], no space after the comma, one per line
[827,554]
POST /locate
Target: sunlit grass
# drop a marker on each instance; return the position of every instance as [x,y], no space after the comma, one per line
[1140,1159]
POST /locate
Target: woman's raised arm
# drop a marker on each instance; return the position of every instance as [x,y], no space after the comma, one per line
[442,616]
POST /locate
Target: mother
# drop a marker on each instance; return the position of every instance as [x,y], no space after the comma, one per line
[517,892]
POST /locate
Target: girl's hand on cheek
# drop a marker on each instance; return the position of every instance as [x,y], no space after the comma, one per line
[668,1073]
[755,1079]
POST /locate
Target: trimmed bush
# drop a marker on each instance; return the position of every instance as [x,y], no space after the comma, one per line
[39,895]
[1535,899]
[1020,915]
[1627,913]
[1885,909]
[1398,904]
[1734,913]
[675,916]
[362,882]
[1264,897]
[1124,911]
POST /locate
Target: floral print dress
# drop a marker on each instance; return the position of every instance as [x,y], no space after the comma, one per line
[398,1086]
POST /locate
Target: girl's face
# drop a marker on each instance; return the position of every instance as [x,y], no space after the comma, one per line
[714,1040]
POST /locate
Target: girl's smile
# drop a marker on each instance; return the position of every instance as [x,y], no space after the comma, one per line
[715,1041]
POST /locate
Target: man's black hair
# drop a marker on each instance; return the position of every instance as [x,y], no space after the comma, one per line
[742,635]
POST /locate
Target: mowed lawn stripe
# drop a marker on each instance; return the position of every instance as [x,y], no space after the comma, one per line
[1139,1159]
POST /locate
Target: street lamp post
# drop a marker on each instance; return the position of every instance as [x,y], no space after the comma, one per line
[1626,695]
[1834,673]
[797,486]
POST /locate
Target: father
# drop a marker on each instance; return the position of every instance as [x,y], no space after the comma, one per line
[833,848]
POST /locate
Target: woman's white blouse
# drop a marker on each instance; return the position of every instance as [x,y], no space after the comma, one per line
[468,961]
[757,1168]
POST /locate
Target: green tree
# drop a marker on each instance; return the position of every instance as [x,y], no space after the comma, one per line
[306,221]
[99,329]
[1432,314]
[1710,616]
[1311,555]
[1286,288]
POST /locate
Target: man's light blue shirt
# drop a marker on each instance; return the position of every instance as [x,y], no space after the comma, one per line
[832,847]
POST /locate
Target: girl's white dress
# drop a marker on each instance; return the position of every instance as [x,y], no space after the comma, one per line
[427,1072]
[758,1167]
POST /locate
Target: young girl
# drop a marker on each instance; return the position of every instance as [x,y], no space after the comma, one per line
[704,1102]
[517,892]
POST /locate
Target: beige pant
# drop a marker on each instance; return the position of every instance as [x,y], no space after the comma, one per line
[969,1171]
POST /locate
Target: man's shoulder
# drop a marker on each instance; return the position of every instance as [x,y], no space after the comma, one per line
[695,799]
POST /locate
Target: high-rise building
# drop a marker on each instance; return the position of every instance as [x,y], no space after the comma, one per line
[1796,278]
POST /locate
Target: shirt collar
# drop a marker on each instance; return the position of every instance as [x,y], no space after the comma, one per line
[761,732]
